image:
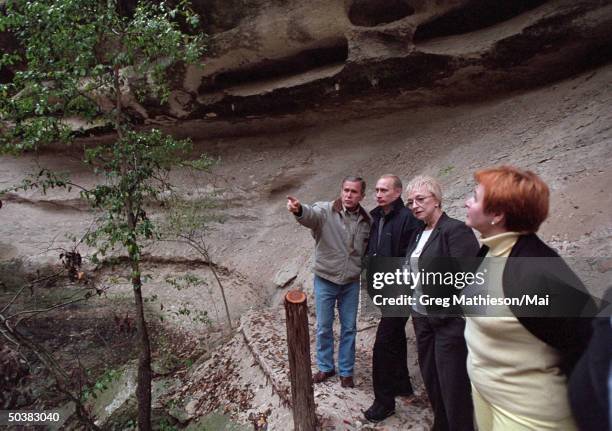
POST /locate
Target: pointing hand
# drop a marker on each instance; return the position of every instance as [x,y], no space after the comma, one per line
[293,205]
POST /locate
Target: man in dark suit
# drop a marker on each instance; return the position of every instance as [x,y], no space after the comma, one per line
[392,228]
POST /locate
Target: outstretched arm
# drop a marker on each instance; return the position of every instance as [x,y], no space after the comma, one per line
[309,216]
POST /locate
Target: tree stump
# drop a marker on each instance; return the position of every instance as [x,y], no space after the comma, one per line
[298,342]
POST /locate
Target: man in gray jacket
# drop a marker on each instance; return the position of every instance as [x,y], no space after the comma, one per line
[341,229]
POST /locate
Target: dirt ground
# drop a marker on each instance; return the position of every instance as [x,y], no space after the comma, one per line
[561,131]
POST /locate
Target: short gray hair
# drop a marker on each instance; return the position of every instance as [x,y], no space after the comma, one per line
[428,183]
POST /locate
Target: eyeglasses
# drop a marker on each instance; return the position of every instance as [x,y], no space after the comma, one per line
[418,201]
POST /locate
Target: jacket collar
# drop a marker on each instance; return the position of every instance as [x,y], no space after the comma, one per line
[337,207]
[441,221]
[396,207]
[436,230]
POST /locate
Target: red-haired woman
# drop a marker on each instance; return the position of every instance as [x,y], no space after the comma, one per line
[518,365]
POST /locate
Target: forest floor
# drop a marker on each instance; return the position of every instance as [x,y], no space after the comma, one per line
[562,131]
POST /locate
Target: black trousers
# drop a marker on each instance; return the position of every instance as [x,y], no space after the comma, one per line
[390,375]
[442,359]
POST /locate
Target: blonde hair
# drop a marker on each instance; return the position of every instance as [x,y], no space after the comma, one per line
[430,184]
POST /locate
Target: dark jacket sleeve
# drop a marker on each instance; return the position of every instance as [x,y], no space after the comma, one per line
[445,252]
[569,335]
[462,242]
[562,329]
[409,227]
[588,386]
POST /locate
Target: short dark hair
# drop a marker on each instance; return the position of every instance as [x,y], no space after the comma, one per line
[397,183]
[354,179]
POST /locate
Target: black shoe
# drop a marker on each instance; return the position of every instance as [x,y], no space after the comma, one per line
[377,412]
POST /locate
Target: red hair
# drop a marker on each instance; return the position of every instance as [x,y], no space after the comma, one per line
[521,196]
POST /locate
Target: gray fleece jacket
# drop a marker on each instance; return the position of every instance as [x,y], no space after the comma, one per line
[340,242]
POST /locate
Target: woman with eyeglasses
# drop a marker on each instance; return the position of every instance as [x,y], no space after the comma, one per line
[441,346]
[519,364]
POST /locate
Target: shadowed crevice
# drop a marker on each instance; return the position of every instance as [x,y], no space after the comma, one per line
[336,52]
[371,13]
[473,16]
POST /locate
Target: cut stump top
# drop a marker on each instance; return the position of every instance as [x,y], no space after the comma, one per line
[295,297]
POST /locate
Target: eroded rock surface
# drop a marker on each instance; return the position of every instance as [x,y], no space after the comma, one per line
[269,56]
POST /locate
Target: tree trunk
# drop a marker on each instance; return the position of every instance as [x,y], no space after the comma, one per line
[227,312]
[298,341]
[143,392]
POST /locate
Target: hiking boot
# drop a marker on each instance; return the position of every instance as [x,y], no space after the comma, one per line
[321,376]
[347,382]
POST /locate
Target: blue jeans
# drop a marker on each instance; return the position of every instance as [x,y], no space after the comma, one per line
[326,296]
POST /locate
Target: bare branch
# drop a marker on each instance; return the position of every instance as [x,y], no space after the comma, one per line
[7,306]
[71,184]
[61,377]
[30,286]
[200,247]
[29,313]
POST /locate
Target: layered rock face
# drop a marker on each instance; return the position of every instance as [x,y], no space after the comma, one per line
[271,56]
[275,56]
